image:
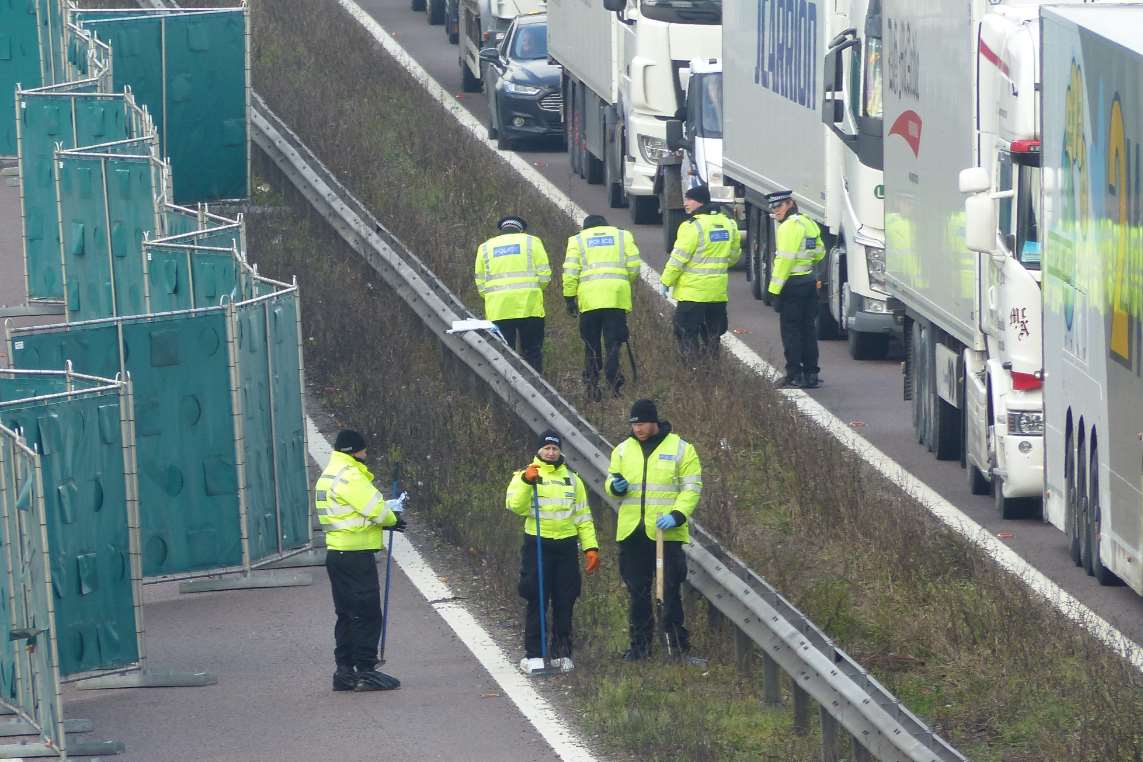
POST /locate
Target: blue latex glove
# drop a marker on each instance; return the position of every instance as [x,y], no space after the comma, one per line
[666,521]
[664,289]
[619,485]
[397,504]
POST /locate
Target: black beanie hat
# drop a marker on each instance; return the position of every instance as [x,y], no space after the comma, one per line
[349,441]
[594,221]
[699,193]
[644,411]
[550,437]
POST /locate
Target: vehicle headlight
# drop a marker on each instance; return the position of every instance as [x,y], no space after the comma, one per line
[1026,424]
[517,89]
[653,149]
[875,265]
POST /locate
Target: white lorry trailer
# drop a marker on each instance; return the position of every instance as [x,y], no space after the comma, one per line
[480,24]
[852,110]
[623,79]
[1093,285]
[961,93]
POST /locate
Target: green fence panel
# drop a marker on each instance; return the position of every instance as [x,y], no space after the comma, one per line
[81,452]
[188,485]
[204,57]
[19,63]
[107,205]
[257,433]
[289,418]
[51,35]
[47,119]
[29,681]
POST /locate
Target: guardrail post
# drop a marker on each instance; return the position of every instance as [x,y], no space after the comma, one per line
[831,748]
[714,617]
[771,689]
[743,648]
[801,708]
[860,753]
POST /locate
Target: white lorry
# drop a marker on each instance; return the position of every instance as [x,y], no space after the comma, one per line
[480,24]
[961,93]
[623,80]
[695,149]
[1093,288]
[852,109]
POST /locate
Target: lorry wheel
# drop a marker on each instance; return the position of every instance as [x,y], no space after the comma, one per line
[468,81]
[644,210]
[828,328]
[1102,574]
[417,5]
[615,196]
[977,483]
[593,168]
[1071,503]
[436,14]
[868,346]
[672,218]
[1007,508]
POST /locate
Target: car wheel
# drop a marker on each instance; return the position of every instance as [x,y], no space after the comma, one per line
[436,12]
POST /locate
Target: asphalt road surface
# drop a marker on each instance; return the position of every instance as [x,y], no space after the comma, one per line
[865,394]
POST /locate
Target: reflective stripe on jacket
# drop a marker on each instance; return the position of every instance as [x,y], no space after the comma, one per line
[599,268]
[706,246]
[799,248]
[669,480]
[563,504]
[511,272]
[350,509]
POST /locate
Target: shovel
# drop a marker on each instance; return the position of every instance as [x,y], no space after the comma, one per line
[673,650]
[388,569]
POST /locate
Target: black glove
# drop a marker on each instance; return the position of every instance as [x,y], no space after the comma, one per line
[401,523]
[573,308]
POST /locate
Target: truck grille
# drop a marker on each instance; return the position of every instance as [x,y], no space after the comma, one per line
[552,101]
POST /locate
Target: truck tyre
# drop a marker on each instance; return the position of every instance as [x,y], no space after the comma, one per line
[869,346]
[436,12]
[593,168]
[1071,502]
[468,81]
[672,218]
[828,329]
[417,5]
[1102,574]
[452,22]
[616,198]
[644,210]
[1007,508]
[504,143]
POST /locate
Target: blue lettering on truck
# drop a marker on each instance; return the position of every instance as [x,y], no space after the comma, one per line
[786,57]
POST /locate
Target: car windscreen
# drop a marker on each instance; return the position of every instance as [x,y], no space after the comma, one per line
[530,43]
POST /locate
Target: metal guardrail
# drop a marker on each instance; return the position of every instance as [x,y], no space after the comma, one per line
[848,695]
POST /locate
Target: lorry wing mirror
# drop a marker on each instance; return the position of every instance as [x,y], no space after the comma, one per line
[675,139]
[980,223]
[615,6]
[974,180]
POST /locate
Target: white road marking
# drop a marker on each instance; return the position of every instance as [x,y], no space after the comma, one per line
[941,508]
[531,704]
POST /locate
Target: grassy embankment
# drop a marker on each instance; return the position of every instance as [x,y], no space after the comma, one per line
[998,672]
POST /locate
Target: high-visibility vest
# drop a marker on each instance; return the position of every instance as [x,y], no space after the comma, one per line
[511,272]
[599,268]
[799,248]
[350,509]
[670,479]
[706,246]
[563,504]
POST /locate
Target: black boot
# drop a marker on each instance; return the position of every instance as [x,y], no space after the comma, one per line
[796,381]
[812,381]
[372,680]
[344,679]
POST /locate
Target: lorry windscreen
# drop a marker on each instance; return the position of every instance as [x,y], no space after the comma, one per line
[683,11]
[1028,217]
[708,88]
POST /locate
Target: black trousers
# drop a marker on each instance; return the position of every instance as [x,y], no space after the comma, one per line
[797,320]
[561,589]
[699,326]
[357,601]
[637,568]
[530,332]
[610,325]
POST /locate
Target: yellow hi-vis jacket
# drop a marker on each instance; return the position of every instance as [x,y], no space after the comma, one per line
[599,268]
[706,246]
[511,272]
[350,509]
[669,480]
[799,248]
[563,504]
